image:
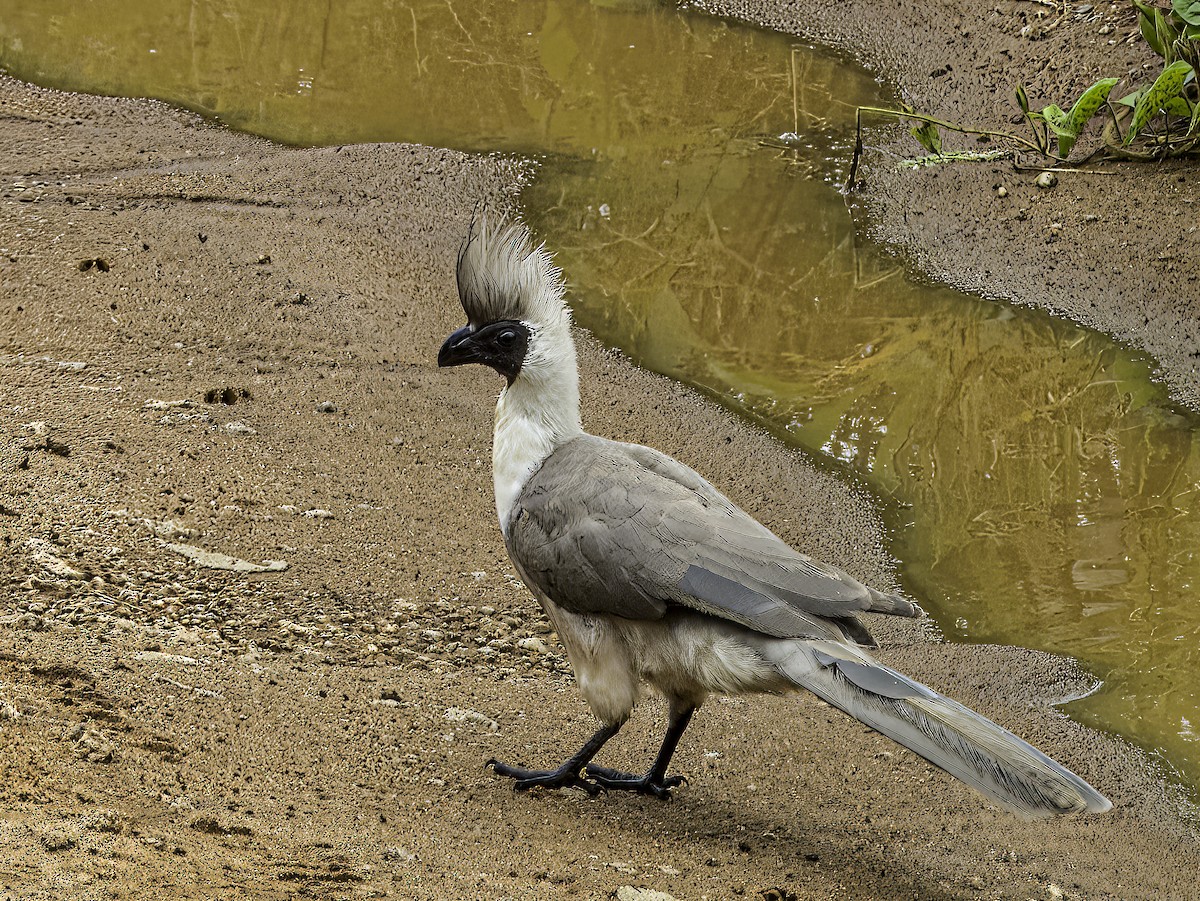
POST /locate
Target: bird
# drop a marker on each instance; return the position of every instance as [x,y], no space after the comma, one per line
[649,574]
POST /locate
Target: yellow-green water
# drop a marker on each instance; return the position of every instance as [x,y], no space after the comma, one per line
[1039,489]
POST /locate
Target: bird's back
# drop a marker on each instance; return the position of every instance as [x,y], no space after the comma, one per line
[608,527]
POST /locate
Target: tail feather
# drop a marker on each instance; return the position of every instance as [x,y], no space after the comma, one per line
[1013,773]
[892,604]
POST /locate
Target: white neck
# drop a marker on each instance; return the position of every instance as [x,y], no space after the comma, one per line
[535,414]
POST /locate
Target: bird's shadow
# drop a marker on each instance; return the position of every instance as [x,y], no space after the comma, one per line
[716,819]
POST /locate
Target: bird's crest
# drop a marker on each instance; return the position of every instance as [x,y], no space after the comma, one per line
[501,275]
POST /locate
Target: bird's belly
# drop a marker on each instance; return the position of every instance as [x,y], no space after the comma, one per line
[688,656]
[606,674]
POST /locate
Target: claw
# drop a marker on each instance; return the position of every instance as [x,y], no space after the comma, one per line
[563,777]
[644,785]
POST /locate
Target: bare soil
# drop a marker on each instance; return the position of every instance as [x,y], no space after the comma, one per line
[214,344]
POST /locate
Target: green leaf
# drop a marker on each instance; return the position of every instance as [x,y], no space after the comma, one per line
[928,135]
[1087,104]
[1194,128]
[1149,32]
[1188,10]
[1055,117]
[1058,122]
[1168,85]
[1022,99]
[1178,106]
[1167,35]
[1130,100]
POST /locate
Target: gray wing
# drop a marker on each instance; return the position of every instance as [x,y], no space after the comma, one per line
[605,527]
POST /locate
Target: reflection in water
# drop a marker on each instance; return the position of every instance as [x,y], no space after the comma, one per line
[1040,490]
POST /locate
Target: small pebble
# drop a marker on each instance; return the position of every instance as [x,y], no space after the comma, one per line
[326,406]
[1046,180]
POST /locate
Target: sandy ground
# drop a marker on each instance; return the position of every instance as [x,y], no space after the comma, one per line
[214,344]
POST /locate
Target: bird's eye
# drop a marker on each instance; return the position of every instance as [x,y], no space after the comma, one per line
[506,339]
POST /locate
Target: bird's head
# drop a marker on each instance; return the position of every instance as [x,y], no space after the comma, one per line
[517,321]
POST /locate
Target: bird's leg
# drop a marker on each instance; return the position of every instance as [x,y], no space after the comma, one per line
[569,774]
[656,781]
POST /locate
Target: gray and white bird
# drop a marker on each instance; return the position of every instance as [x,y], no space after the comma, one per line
[648,573]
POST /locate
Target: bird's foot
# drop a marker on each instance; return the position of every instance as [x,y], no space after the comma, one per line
[565,776]
[648,784]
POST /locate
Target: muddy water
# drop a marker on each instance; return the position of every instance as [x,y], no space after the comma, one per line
[1039,489]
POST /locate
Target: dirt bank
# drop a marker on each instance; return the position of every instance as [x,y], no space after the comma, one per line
[210,342]
[1115,247]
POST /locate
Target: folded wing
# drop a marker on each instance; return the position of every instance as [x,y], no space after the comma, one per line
[606,527]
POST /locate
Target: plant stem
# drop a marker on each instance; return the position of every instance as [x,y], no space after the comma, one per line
[941,123]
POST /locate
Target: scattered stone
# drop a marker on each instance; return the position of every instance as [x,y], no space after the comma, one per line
[461,715]
[56,840]
[214,560]
[166,528]
[31,622]
[240,428]
[162,657]
[775,893]
[44,556]
[226,396]
[1046,180]
[208,825]
[1001,191]
[154,404]
[103,821]
[42,440]
[633,893]
[533,644]
[91,744]
[398,852]
[318,513]
[326,406]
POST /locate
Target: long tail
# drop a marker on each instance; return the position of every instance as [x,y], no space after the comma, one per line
[1011,772]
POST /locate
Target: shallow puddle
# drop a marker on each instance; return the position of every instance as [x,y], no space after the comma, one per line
[1040,490]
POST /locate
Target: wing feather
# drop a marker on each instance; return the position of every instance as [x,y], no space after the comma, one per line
[620,529]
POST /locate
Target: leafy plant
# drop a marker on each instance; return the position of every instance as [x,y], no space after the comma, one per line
[1157,120]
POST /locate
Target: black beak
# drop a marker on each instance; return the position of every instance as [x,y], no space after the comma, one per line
[460,348]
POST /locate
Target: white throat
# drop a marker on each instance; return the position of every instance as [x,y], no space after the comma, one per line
[535,414]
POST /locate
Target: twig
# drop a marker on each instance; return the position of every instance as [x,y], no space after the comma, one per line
[941,123]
